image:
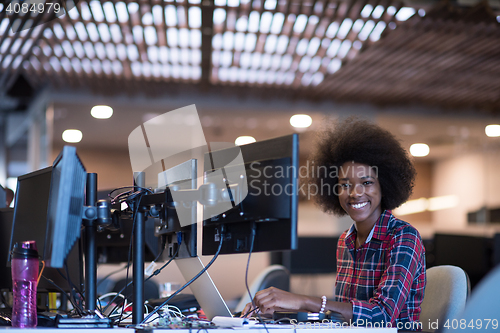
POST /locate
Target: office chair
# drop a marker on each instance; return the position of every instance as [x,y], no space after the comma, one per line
[446,292]
[272,276]
[482,308]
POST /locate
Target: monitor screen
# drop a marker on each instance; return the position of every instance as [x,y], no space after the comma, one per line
[28,221]
[30,210]
[261,193]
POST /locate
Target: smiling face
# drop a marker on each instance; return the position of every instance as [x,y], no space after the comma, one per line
[360,195]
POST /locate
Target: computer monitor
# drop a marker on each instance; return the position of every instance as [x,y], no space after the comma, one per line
[270,205]
[471,253]
[6,217]
[28,221]
[66,203]
[3,197]
[496,250]
[314,255]
[30,210]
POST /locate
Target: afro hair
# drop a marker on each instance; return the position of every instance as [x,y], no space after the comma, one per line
[358,140]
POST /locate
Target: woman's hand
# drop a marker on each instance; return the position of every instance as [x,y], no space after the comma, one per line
[273,299]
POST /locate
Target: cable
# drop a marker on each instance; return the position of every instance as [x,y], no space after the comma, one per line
[140,194]
[75,306]
[254,227]
[169,312]
[99,299]
[163,244]
[68,278]
[71,285]
[187,283]
[127,195]
[41,272]
[130,246]
[156,272]
[248,265]
[130,243]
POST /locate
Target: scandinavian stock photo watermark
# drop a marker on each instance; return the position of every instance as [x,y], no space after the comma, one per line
[450,324]
[265,179]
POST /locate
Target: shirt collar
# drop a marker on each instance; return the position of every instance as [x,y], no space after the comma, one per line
[380,228]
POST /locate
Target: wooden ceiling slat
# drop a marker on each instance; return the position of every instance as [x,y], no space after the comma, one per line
[85,78]
[402,69]
[126,77]
[128,28]
[438,59]
[10,74]
[45,61]
[207,33]
[303,10]
[93,76]
[112,75]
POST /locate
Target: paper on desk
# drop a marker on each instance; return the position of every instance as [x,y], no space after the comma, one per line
[231,322]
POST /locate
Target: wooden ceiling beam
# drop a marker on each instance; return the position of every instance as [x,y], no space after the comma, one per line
[207,33]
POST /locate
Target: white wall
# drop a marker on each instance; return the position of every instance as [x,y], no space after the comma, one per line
[475,178]
[463,176]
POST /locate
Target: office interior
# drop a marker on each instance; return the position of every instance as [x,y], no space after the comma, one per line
[429,72]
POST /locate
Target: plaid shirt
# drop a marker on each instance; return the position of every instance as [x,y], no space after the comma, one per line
[385,278]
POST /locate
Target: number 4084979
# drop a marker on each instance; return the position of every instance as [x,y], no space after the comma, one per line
[463,324]
[33,7]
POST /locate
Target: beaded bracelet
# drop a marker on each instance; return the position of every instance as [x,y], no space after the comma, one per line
[323,304]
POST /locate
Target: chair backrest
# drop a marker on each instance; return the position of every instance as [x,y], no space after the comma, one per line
[482,311]
[272,276]
[446,292]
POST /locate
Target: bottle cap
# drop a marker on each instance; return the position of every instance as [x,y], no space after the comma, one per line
[23,250]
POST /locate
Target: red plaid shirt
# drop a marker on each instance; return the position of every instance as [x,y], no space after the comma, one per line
[385,278]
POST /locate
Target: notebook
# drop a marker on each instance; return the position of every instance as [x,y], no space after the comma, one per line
[203,288]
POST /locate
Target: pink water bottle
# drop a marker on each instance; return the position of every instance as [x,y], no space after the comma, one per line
[24,266]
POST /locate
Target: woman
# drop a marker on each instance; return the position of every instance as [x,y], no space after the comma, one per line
[362,171]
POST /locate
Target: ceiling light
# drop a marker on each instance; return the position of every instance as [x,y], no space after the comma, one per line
[72,135]
[492,131]
[101,112]
[243,140]
[301,121]
[419,149]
